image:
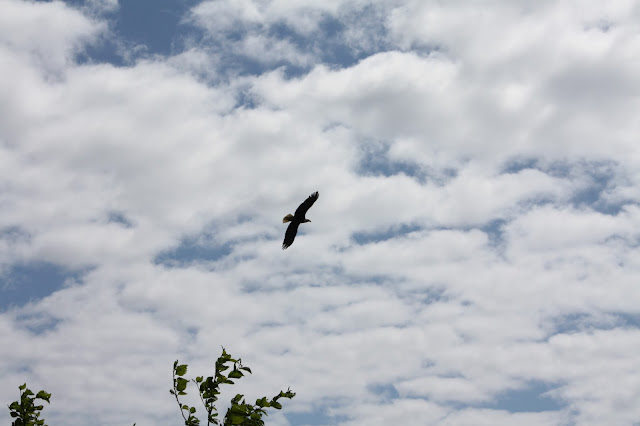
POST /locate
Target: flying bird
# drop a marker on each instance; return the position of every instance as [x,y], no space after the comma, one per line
[296,219]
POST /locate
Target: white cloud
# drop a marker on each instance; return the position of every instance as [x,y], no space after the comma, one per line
[102,6]
[477,172]
[47,34]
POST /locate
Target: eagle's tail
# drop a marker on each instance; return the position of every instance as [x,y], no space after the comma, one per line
[287,218]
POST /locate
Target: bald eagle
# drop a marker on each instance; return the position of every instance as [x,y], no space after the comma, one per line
[296,219]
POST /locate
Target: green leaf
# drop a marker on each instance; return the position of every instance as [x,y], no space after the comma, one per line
[199,379]
[192,410]
[22,387]
[235,374]
[276,405]
[246,369]
[237,420]
[262,402]
[181,370]
[43,395]
[181,384]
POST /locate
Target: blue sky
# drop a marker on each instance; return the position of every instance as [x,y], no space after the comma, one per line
[472,258]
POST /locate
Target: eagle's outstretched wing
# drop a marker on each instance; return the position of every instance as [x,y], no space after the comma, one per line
[290,235]
[306,205]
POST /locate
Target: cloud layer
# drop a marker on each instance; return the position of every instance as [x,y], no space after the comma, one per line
[472,258]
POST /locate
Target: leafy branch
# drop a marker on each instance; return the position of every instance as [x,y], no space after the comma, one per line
[179,386]
[240,413]
[25,412]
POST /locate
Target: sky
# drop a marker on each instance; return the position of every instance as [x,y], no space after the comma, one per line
[472,258]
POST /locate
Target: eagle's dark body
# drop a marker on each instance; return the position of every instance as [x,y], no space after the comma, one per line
[296,219]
